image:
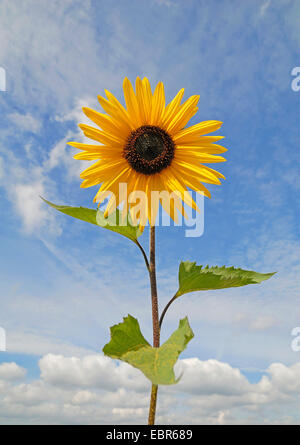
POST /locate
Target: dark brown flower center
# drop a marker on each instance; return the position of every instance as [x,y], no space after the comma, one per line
[149,149]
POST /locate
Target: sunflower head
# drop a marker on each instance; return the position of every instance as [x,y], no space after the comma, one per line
[148,147]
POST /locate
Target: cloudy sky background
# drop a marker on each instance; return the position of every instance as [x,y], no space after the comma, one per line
[63,282]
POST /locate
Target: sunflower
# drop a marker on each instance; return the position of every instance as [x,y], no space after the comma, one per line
[147,147]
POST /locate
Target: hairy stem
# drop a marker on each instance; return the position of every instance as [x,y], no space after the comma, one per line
[155,320]
[152,273]
[152,407]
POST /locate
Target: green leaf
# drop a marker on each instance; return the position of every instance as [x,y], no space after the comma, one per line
[113,222]
[195,278]
[128,344]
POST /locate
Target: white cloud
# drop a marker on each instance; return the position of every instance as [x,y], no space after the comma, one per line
[24,189]
[76,114]
[23,185]
[211,377]
[284,378]
[60,155]
[95,390]
[25,122]
[75,62]
[263,323]
[264,7]
[25,179]
[89,371]
[11,371]
[29,204]
[83,397]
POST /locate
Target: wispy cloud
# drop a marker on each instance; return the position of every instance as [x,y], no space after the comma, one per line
[25,122]
[264,7]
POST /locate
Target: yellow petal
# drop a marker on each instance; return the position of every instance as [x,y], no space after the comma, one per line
[90,155]
[158,105]
[87,147]
[194,150]
[184,114]
[215,172]
[131,103]
[172,109]
[147,94]
[201,157]
[116,111]
[170,202]
[104,168]
[196,130]
[107,123]
[89,182]
[101,136]
[108,184]
[197,172]
[209,139]
[176,183]
[141,101]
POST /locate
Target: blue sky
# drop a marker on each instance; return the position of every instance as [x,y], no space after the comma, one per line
[63,282]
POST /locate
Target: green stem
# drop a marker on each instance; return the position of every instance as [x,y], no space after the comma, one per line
[155,320]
